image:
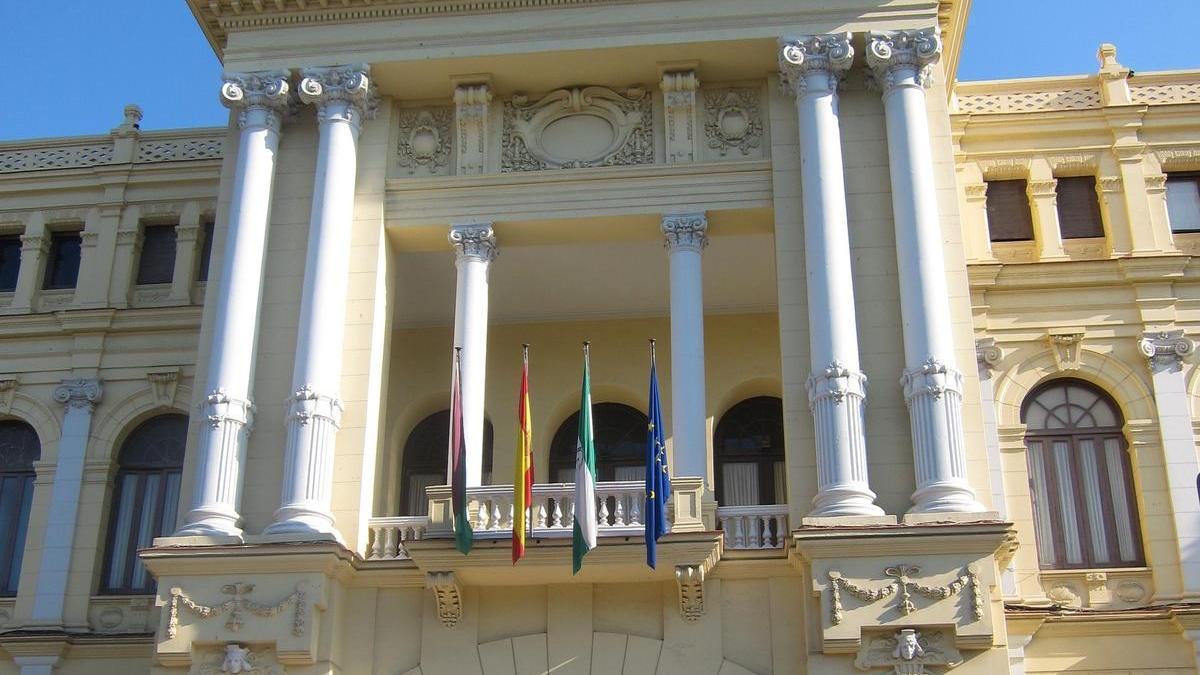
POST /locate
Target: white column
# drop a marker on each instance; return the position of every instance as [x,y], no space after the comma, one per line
[343,97]
[1165,351]
[686,236]
[987,359]
[79,398]
[837,387]
[933,385]
[475,249]
[260,99]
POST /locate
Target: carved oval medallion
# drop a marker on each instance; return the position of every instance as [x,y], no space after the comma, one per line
[578,138]
[734,123]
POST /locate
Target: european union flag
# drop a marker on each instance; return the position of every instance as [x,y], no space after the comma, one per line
[658,477]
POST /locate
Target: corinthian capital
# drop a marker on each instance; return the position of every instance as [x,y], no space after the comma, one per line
[811,60]
[78,393]
[340,92]
[904,56]
[476,241]
[685,231]
[268,91]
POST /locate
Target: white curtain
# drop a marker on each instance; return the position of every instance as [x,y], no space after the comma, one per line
[631,473]
[1120,500]
[1041,514]
[739,484]
[1066,502]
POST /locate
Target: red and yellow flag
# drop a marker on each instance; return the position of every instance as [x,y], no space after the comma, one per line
[523,478]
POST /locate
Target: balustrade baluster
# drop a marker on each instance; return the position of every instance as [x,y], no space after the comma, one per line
[497,524]
[540,519]
[620,515]
[481,515]
[635,509]
[391,535]
[557,520]
[376,544]
[603,514]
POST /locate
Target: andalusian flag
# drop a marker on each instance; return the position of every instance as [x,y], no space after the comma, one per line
[585,475]
[523,474]
[463,536]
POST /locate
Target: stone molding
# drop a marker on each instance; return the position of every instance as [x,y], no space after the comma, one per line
[79,393]
[236,659]
[268,91]
[685,231]
[1065,345]
[8,391]
[163,383]
[908,651]
[836,382]
[933,379]
[825,56]
[474,241]
[889,52]
[1165,349]
[340,93]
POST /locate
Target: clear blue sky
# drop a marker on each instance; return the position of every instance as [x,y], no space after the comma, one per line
[72,65]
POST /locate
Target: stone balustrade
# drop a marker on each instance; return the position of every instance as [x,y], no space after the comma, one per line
[754,527]
[389,534]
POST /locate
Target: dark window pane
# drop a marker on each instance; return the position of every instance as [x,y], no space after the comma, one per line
[1079,208]
[619,432]
[1085,512]
[10,261]
[749,452]
[144,500]
[425,457]
[156,264]
[1008,214]
[62,266]
[19,449]
[205,250]
[1183,201]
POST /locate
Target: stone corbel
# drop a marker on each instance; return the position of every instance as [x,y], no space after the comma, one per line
[679,86]
[691,591]
[448,595]
[1065,344]
[472,104]
[8,390]
[987,354]
[163,384]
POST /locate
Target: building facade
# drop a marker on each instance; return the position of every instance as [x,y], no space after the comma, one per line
[225,354]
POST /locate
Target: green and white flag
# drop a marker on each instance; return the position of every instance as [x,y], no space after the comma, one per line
[584,538]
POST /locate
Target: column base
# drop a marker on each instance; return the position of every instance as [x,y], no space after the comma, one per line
[298,524]
[945,497]
[210,523]
[844,500]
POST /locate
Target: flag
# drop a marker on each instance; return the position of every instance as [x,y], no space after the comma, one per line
[463,537]
[523,478]
[658,478]
[584,533]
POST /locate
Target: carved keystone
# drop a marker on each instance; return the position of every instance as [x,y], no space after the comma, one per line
[448,595]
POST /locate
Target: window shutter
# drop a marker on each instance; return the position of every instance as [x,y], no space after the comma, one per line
[1079,208]
[156,265]
[1009,218]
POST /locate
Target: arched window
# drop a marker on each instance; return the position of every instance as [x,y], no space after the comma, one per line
[1085,514]
[19,449]
[619,432]
[425,457]
[145,499]
[748,444]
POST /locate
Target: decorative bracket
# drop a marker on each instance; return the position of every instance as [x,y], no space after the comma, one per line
[691,591]
[163,383]
[8,390]
[448,595]
[987,354]
[1065,343]
[679,109]
[472,99]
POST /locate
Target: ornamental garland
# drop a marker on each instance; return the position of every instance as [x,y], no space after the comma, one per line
[902,586]
[236,606]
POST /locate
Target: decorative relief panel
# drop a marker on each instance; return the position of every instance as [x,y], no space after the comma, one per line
[1029,101]
[55,158]
[578,127]
[114,615]
[908,651]
[733,125]
[904,586]
[238,660]
[1107,589]
[424,146]
[237,606]
[1180,92]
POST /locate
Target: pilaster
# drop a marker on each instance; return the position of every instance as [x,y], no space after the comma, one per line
[679,86]
[472,110]
[35,246]
[187,236]
[1042,190]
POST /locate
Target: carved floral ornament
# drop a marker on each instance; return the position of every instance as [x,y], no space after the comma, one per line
[448,596]
[690,579]
[578,127]
[890,54]
[836,382]
[343,93]
[827,56]
[425,139]
[732,120]
[477,241]
[685,231]
[903,586]
[237,606]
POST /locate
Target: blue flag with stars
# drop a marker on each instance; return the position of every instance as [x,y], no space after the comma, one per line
[658,478]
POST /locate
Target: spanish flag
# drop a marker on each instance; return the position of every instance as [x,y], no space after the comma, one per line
[523,479]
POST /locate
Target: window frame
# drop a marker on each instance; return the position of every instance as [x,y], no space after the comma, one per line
[142,270]
[992,209]
[11,240]
[1075,437]
[435,454]
[567,433]
[20,534]
[765,461]
[1181,176]
[56,239]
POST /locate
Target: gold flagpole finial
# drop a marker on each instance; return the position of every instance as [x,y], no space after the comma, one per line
[652,342]
[525,351]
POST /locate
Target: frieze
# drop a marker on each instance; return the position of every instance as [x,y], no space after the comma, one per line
[424,144]
[733,121]
[903,587]
[576,128]
[237,606]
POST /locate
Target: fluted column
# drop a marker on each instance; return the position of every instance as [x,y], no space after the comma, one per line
[1165,352]
[475,249]
[837,387]
[260,100]
[686,236]
[933,384]
[343,97]
[79,398]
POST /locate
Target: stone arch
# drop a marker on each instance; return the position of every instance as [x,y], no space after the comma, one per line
[39,415]
[1127,387]
[118,419]
[619,652]
[760,386]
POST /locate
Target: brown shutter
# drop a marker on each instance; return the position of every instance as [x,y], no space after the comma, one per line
[1008,212]
[1079,208]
